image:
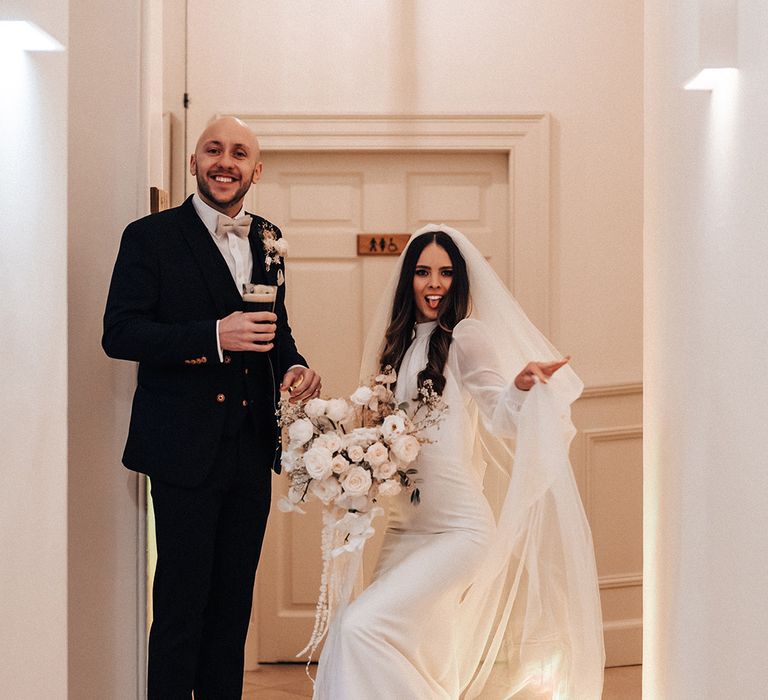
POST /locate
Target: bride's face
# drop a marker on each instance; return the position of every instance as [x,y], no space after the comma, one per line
[431,281]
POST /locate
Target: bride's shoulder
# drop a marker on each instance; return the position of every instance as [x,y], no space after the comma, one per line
[470,331]
[469,327]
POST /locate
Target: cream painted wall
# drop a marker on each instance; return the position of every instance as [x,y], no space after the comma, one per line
[33,355]
[113,97]
[706,483]
[71,171]
[579,60]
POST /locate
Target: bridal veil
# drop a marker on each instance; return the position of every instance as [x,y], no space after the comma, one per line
[530,623]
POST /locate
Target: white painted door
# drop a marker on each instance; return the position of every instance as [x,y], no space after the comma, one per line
[322,201]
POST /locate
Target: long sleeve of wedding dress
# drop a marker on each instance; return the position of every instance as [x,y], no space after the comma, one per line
[476,363]
[450,612]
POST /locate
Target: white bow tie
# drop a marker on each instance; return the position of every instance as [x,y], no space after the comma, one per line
[239,226]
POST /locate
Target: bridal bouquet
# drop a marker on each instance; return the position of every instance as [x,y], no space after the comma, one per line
[348,453]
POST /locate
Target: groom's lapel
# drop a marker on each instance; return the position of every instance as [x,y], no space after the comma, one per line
[259,274]
[214,269]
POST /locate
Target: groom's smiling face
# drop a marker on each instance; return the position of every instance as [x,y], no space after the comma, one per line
[225,164]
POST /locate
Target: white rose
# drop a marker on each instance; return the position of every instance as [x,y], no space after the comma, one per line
[337,410]
[317,462]
[281,247]
[361,396]
[405,448]
[355,453]
[331,442]
[391,487]
[384,471]
[376,454]
[350,502]
[320,441]
[301,431]
[356,481]
[392,426]
[362,436]
[315,408]
[326,489]
[339,465]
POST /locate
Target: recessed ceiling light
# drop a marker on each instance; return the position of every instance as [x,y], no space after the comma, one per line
[20,35]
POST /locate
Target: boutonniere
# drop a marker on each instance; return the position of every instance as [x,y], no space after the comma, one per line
[275,249]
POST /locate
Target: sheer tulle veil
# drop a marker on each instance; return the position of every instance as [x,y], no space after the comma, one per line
[531,621]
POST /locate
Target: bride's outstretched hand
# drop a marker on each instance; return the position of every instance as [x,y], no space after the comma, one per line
[535,372]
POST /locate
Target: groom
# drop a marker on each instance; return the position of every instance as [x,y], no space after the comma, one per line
[203,424]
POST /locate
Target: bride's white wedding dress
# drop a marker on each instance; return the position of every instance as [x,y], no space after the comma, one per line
[471,598]
[404,635]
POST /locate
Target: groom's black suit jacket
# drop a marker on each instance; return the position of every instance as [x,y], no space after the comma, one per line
[169,286]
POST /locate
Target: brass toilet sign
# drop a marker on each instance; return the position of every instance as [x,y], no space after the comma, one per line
[381,243]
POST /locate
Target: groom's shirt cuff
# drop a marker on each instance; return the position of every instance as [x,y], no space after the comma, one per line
[218,342]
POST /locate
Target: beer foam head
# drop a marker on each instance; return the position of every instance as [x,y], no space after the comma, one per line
[259,292]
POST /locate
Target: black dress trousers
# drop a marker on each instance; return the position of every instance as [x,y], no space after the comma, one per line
[209,540]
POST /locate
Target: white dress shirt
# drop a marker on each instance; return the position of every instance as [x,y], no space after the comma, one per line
[236,251]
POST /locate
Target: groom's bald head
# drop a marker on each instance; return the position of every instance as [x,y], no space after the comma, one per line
[226,161]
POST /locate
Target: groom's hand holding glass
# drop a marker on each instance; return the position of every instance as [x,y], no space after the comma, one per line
[251,331]
[254,330]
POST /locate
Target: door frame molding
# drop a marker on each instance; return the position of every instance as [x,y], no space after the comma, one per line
[524,137]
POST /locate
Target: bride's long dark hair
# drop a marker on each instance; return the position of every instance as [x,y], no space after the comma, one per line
[454,307]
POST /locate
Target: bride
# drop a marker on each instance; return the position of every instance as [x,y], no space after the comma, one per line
[486,588]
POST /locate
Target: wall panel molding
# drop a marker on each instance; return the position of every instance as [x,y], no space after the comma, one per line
[623,642]
[626,581]
[608,467]
[592,437]
[604,391]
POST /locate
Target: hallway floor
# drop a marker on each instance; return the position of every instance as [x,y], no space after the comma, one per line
[289,682]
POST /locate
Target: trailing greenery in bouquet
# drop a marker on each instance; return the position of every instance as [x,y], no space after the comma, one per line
[348,454]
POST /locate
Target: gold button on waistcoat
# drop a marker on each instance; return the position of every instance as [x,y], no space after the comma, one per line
[220,398]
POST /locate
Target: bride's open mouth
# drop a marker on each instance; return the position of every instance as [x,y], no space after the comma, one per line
[433,300]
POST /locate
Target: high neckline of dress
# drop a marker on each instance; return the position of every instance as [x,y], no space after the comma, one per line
[425,328]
